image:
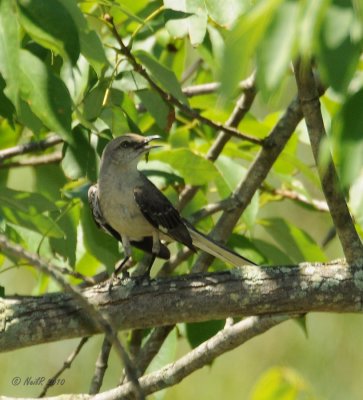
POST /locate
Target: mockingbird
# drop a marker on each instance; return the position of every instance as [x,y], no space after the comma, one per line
[131,208]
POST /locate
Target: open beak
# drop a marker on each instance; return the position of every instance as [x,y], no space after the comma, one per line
[145,147]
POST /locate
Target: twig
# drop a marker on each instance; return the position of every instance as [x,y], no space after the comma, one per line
[101,366]
[211,87]
[34,161]
[170,98]
[310,104]
[93,313]
[30,147]
[319,205]
[67,364]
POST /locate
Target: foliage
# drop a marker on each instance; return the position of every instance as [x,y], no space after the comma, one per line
[64,71]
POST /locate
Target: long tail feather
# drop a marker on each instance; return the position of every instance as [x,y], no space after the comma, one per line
[208,245]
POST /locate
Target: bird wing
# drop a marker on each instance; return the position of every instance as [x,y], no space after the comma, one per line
[145,244]
[161,214]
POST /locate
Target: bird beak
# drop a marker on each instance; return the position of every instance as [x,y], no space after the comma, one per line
[145,147]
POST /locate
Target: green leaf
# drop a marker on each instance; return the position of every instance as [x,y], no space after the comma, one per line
[225,15]
[199,332]
[301,322]
[348,132]
[91,45]
[46,95]
[93,102]
[242,42]
[194,21]
[9,50]
[156,107]
[195,169]
[272,253]
[340,45]
[232,171]
[67,219]
[248,248]
[7,109]
[80,158]
[130,81]
[50,24]
[165,76]
[275,51]
[27,210]
[101,245]
[294,241]
[281,383]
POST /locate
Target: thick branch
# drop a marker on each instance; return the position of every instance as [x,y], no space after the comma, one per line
[335,287]
[310,104]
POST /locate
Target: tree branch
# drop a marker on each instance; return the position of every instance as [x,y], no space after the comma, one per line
[45,159]
[225,340]
[30,147]
[310,104]
[191,298]
[84,308]
[257,172]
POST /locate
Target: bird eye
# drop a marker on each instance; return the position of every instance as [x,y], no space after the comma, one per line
[125,144]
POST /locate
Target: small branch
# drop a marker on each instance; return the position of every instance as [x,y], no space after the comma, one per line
[170,99]
[318,205]
[30,147]
[86,311]
[248,290]
[310,104]
[46,159]
[224,341]
[241,108]
[151,347]
[67,364]
[101,367]
[211,87]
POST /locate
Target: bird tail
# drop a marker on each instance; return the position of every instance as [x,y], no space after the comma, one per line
[210,246]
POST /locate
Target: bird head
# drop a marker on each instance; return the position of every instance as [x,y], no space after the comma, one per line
[128,148]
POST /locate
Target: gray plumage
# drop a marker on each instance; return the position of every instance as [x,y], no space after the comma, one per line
[131,208]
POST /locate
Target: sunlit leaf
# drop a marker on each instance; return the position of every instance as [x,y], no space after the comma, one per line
[275,51]
[340,44]
[280,383]
[164,75]
[50,24]
[46,95]
[195,169]
[241,44]
[9,50]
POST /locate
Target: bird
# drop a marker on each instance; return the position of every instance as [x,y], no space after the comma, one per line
[128,206]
